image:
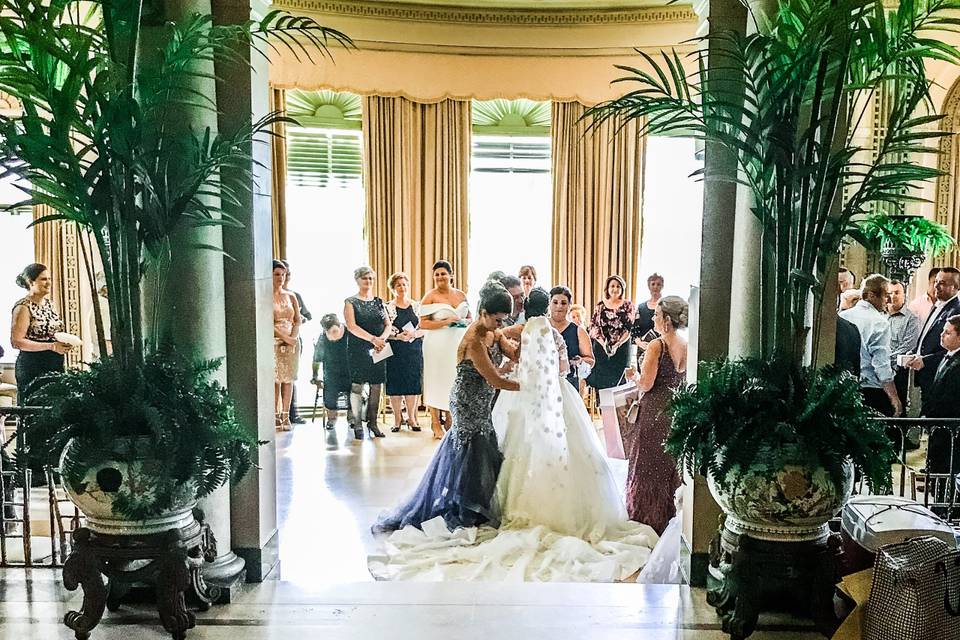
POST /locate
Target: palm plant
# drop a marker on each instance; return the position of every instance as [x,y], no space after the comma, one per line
[790,114]
[100,139]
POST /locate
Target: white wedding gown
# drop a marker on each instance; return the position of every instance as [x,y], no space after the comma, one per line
[562,514]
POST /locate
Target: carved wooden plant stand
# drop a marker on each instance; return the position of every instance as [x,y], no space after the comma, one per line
[757,575]
[172,560]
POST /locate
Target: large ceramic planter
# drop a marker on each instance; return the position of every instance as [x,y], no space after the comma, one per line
[780,497]
[127,477]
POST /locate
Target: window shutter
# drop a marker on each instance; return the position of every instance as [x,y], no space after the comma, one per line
[507,154]
[323,157]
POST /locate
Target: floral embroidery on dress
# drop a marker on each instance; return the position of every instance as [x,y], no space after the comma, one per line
[610,325]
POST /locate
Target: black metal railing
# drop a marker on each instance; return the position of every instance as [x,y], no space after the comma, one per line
[928,463]
[23,542]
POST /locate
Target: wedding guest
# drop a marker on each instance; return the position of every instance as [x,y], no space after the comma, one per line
[514,287]
[305,316]
[366,319]
[929,352]
[644,322]
[610,330]
[330,352]
[943,400]
[405,366]
[904,332]
[923,303]
[444,313]
[652,477]
[528,279]
[32,332]
[578,315]
[578,342]
[847,347]
[876,375]
[846,279]
[849,299]
[286,352]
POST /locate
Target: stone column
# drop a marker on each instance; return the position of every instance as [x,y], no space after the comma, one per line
[710,317]
[243,96]
[191,312]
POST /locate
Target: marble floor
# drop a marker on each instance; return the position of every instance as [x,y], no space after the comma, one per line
[332,488]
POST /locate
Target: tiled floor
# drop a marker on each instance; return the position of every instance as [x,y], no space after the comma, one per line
[332,489]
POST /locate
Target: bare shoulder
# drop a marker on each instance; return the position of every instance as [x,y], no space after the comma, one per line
[430,298]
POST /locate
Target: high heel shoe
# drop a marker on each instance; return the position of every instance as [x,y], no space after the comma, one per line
[357,431]
[285,421]
[413,425]
[276,421]
[396,428]
[375,430]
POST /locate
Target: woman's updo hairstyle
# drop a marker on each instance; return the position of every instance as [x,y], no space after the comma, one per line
[494,298]
[536,303]
[29,274]
[676,310]
[443,264]
[361,272]
[561,290]
[279,265]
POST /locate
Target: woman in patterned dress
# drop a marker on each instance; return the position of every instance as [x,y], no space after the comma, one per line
[286,347]
[610,330]
[32,332]
[458,485]
[369,328]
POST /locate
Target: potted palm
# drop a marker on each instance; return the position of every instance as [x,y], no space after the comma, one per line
[101,141]
[904,241]
[788,108]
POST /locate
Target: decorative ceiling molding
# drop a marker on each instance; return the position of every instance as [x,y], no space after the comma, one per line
[532,17]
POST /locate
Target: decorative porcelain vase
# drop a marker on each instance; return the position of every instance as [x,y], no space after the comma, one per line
[781,497]
[131,478]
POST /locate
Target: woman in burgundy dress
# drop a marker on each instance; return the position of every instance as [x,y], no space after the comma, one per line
[652,479]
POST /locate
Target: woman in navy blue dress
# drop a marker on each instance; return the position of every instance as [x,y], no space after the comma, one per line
[458,485]
[405,366]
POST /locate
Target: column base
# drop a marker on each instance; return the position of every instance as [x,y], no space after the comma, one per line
[225,576]
[261,561]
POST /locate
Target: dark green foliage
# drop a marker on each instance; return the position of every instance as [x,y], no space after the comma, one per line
[788,102]
[740,408]
[911,234]
[168,407]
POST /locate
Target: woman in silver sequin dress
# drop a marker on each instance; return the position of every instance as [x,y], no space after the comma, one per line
[459,483]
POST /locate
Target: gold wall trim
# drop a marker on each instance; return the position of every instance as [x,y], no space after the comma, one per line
[422,13]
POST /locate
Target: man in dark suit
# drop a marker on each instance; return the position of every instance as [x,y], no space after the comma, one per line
[848,347]
[929,351]
[942,399]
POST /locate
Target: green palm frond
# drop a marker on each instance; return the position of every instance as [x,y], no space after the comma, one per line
[787,102]
[102,139]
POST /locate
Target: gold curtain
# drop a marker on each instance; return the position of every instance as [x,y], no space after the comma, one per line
[279,175]
[597,203]
[56,246]
[415,172]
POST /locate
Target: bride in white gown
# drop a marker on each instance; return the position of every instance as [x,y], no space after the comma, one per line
[562,515]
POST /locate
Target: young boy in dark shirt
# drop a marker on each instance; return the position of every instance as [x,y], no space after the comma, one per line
[331,352]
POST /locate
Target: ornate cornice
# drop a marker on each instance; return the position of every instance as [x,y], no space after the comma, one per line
[425,13]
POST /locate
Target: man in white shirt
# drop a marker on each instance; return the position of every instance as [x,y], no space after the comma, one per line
[876,374]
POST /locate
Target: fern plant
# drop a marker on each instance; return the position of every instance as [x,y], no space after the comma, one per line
[740,409]
[169,411]
[909,234]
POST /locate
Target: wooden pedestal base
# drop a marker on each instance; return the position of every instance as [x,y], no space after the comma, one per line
[171,560]
[748,576]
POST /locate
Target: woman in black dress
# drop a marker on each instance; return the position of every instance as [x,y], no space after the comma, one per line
[32,332]
[643,329]
[405,366]
[575,336]
[366,319]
